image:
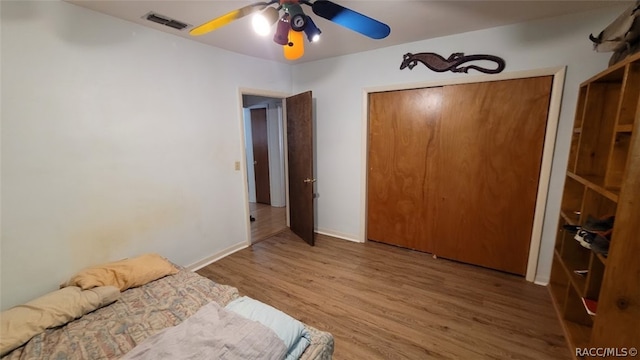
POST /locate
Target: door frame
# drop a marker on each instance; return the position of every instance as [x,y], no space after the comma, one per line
[243,160]
[553,119]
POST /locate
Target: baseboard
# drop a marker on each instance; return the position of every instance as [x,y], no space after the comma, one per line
[337,235]
[217,256]
[541,283]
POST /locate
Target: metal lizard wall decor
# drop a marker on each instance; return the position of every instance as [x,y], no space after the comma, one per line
[437,63]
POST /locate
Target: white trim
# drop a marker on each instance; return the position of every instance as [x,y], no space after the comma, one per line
[243,171]
[337,235]
[553,117]
[285,150]
[217,256]
[364,155]
[541,283]
[261,92]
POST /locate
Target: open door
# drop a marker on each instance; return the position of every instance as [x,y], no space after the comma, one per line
[300,157]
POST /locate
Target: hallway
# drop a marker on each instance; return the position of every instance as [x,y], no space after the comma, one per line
[269,221]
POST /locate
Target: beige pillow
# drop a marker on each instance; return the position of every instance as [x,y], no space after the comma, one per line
[22,322]
[124,274]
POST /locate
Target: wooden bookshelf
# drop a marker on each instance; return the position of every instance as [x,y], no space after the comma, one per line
[603,179]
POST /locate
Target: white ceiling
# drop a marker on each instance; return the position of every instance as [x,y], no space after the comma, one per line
[409,21]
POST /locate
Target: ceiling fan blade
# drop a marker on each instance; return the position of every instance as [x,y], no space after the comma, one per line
[295,49]
[223,20]
[351,19]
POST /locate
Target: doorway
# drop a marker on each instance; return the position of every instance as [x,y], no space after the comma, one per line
[264,148]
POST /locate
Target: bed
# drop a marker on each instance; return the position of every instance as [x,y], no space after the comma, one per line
[140,312]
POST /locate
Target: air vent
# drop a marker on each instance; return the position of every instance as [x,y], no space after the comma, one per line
[165,20]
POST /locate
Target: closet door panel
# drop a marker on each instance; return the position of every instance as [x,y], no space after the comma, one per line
[403,132]
[488,165]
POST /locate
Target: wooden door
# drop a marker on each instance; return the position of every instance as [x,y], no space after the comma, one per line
[402,141]
[261,155]
[476,172]
[491,151]
[300,160]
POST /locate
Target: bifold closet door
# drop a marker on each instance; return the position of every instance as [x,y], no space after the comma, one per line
[491,142]
[467,175]
[403,128]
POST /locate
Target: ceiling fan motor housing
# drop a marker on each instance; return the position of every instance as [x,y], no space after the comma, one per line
[297,17]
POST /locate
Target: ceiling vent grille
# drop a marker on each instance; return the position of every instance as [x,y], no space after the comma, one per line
[166,21]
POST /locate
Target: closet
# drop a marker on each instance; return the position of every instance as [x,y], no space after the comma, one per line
[454,170]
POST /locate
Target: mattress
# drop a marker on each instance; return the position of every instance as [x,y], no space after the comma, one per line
[112,331]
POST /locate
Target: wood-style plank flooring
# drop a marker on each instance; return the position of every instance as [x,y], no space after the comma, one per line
[269,221]
[385,302]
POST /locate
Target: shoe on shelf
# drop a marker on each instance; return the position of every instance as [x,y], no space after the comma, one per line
[585,238]
[602,225]
[600,245]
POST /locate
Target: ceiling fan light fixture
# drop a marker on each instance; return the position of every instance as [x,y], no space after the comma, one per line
[297,17]
[263,21]
[292,24]
[312,31]
[282,31]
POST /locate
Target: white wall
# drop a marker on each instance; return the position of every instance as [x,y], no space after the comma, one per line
[116,140]
[339,115]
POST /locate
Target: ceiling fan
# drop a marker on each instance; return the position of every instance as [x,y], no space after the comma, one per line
[292,22]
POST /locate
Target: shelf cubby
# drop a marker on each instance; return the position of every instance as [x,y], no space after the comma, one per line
[598,124]
[573,150]
[617,161]
[594,277]
[630,94]
[596,184]
[575,257]
[580,323]
[559,283]
[596,205]
[572,200]
[579,334]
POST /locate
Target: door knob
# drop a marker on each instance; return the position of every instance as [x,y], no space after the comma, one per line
[255,162]
[307,180]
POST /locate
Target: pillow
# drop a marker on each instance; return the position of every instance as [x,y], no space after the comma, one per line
[288,329]
[296,350]
[22,322]
[124,274]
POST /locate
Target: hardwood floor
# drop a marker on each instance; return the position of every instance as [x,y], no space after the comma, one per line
[269,221]
[385,302]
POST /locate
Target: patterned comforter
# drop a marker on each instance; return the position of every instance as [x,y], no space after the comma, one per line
[112,331]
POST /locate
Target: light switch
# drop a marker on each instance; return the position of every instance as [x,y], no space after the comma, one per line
[237,165]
